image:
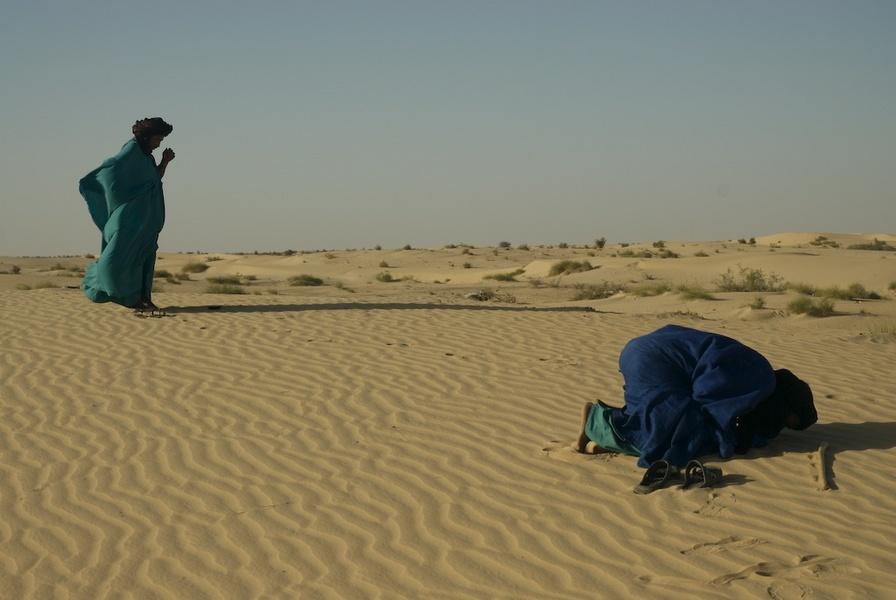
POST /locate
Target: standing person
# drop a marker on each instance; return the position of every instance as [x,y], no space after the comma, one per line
[125,200]
[690,393]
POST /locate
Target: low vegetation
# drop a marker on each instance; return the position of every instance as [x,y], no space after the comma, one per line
[878,245]
[804,305]
[655,289]
[385,277]
[855,291]
[305,280]
[700,253]
[224,280]
[694,292]
[596,291]
[567,267]
[824,242]
[194,267]
[749,280]
[224,289]
[511,276]
[757,303]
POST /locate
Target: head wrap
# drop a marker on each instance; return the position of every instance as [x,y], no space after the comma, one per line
[144,129]
[792,396]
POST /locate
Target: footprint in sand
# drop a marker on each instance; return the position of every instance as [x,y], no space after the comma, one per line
[564,451]
[788,591]
[810,564]
[728,543]
[715,503]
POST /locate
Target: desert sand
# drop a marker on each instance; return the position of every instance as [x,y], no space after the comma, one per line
[375,439]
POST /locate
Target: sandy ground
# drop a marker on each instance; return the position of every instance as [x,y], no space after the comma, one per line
[369,439]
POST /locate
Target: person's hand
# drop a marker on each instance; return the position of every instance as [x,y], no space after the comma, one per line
[167,155]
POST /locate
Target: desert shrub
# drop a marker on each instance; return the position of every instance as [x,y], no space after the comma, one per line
[563,245]
[600,242]
[566,267]
[42,285]
[749,280]
[511,276]
[823,241]
[91,256]
[693,292]
[652,290]
[752,241]
[385,277]
[742,240]
[757,303]
[384,264]
[892,286]
[823,307]
[700,253]
[877,244]
[666,253]
[466,251]
[15,270]
[377,247]
[224,289]
[407,247]
[802,288]
[659,244]
[161,274]
[504,244]
[523,247]
[305,280]
[224,280]
[213,258]
[182,277]
[854,291]
[596,291]
[23,286]
[468,265]
[172,281]
[194,267]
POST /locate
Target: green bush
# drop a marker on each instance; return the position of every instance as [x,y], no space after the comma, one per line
[566,267]
[194,267]
[511,276]
[224,280]
[694,292]
[305,280]
[652,290]
[877,244]
[596,291]
[749,280]
[823,307]
[224,289]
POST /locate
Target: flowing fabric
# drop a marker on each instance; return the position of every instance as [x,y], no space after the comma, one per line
[684,390]
[125,200]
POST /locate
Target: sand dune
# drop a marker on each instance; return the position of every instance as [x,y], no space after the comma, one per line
[397,440]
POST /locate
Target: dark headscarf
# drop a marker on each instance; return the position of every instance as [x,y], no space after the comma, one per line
[792,396]
[144,129]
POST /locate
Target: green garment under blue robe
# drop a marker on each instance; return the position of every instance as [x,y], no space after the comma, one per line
[124,196]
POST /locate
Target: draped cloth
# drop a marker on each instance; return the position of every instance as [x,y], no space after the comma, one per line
[125,200]
[684,390]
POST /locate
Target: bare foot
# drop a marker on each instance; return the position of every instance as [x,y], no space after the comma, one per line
[583,444]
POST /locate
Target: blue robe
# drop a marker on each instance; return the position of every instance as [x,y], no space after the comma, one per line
[125,200]
[684,389]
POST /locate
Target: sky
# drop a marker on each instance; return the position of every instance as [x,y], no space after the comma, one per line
[335,124]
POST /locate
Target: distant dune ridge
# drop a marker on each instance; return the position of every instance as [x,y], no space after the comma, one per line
[366,438]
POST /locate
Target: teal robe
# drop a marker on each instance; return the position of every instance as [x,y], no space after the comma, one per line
[125,200]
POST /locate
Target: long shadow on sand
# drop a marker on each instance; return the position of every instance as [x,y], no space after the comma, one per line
[275,308]
[840,437]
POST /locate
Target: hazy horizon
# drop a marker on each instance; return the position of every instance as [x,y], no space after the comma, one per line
[347,124]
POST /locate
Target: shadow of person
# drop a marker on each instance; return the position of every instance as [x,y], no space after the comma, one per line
[840,437]
[276,308]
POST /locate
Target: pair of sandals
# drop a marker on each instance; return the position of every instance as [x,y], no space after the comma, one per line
[663,474]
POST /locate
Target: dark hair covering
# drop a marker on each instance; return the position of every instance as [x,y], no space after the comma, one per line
[792,396]
[144,129]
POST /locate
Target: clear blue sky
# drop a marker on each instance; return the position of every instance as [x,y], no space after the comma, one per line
[348,124]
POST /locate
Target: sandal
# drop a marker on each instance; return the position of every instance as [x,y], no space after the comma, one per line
[658,475]
[696,473]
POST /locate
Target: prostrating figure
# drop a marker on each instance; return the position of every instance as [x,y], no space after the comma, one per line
[124,196]
[691,393]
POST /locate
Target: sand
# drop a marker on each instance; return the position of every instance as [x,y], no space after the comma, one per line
[398,440]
